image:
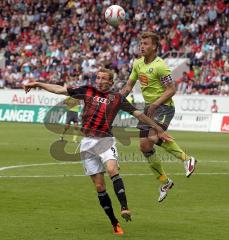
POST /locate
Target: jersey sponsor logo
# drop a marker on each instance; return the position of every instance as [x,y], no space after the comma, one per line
[144,80]
[225,124]
[194,105]
[101,100]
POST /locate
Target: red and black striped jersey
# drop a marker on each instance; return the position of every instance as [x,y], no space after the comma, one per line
[100,109]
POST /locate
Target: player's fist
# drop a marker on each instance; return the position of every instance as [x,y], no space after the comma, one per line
[27,87]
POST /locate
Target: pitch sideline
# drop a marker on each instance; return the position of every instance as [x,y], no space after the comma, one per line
[123,174]
[81,175]
[78,162]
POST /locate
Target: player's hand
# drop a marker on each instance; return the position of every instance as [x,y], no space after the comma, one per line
[124,92]
[151,110]
[27,87]
[164,136]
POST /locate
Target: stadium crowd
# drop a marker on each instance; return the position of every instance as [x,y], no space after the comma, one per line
[59,41]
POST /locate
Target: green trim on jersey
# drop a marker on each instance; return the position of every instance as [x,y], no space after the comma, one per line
[149,76]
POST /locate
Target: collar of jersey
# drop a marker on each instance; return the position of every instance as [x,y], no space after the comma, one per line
[149,62]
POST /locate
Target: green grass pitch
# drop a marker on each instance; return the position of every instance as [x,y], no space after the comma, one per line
[53,201]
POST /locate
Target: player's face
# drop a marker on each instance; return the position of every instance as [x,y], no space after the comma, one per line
[147,47]
[103,81]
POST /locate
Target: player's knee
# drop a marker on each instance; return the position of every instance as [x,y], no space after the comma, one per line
[67,126]
[112,170]
[153,139]
[146,147]
[100,187]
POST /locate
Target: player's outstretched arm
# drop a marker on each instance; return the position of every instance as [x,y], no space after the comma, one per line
[57,89]
[160,132]
[127,88]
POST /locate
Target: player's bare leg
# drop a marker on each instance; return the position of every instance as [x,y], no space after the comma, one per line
[105,202]
[112,169]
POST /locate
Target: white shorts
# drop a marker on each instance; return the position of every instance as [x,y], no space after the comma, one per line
[95,152]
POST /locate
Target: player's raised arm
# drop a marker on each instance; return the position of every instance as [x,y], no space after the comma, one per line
[127,88]
[57,89]
[131,82]
[160,132]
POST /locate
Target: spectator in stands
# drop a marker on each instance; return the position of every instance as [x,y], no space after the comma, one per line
[44,39]
[182,83]
[214,107]
[224,89]
[2,81]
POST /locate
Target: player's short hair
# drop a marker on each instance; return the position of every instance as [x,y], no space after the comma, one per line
[154,36]
[106,70]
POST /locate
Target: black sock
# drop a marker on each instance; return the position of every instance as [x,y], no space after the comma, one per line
[106,204]
[120,191]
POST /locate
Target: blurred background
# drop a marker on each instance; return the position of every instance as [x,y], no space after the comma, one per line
[66,42]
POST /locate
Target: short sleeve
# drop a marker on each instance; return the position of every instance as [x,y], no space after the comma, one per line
[77,92]
[134,74]
[126,106]
[163,70]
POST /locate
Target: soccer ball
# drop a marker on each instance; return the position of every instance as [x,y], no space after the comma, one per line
[114,15]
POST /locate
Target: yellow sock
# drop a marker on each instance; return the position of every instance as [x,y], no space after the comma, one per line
[156,167]
[175,150]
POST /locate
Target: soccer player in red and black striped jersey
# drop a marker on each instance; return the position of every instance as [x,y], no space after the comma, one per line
[98,149]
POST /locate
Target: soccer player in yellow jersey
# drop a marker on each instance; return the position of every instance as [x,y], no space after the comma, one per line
[157,88]
[72,115]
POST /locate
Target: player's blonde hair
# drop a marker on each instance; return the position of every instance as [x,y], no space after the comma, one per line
[108,71]
[154,37]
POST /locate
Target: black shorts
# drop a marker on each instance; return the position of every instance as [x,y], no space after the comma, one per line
[72,117]
[162,116]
